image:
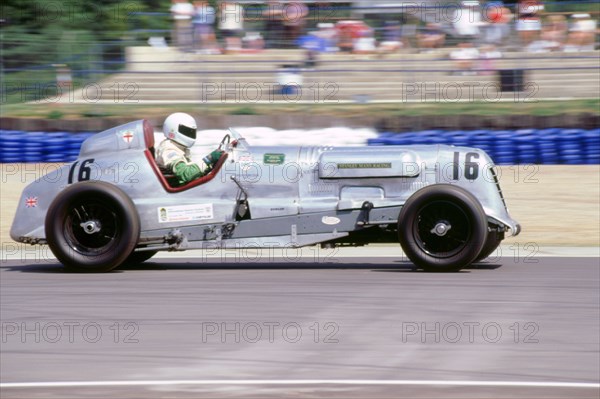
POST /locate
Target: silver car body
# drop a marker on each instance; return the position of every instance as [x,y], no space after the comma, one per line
[264,196]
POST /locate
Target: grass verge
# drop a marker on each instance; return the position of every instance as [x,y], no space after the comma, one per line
[82,111]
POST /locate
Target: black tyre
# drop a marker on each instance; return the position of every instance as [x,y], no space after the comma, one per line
[92,227]
[139,257]
[493,240]
[442,228]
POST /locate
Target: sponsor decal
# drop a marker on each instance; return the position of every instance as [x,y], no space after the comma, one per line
[31,202]
[365,165]
[127,136]
[330,220]
[273,159]
[246,158]
[184,213]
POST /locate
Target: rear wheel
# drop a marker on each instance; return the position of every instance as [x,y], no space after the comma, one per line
[493,240]
[139,257]
[92,227]
[442,228]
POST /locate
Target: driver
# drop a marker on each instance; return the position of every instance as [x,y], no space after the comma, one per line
[173,154]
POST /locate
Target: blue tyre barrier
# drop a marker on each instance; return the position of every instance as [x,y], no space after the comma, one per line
[548,150]
[525,146]
[20,146]
[570,146]
[591,144]
[461,140]
[12,143]
[527,149]
[505,152]
[546,146]
[12,160]
[482,139]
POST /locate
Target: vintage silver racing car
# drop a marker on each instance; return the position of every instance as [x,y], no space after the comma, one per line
[113,205]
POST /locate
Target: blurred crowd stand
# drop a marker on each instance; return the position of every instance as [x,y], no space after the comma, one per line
[431,37]
[182,12]
[231,25]
[473,35]
[285,25]
[203,31]
[582,34]
[273,16]
[529,24]
[368,51]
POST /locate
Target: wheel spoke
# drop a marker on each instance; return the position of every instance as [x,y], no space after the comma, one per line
[85,213]
[91,243]
[78,215]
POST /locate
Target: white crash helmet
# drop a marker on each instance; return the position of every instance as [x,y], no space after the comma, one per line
[180,128]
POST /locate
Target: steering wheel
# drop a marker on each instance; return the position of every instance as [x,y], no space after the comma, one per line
[226,140]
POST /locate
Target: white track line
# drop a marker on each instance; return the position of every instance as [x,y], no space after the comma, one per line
[527,384]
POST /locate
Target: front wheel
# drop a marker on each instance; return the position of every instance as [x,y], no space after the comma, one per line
[442,228]
[92,227]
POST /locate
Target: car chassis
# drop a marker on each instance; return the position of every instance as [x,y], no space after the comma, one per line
[113,205]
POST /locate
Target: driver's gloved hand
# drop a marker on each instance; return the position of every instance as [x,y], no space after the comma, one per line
[213,157]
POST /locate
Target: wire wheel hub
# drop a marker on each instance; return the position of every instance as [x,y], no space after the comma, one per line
[91,227]
[441,229]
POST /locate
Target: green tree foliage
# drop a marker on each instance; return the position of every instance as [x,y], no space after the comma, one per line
[38,32]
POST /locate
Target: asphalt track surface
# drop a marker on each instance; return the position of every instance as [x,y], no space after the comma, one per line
[357,327]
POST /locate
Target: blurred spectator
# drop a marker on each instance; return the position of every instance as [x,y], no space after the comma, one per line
[465,57]
[467,20]
[554,32]
[487,55]
[349,31]
[182,11]
[345,35]
[253,42]
[497,20]
[328,33]
[528,23]
[431,37]
[231,24]
[273,15]
[582,35]
[310,59]
[365,43]
[392,37]
[294,14]
[203,20]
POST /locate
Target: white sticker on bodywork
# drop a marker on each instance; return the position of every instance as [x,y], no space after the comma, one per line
[184,213]
[330,220]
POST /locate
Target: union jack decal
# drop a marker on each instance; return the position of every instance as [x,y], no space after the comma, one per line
[31,202]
